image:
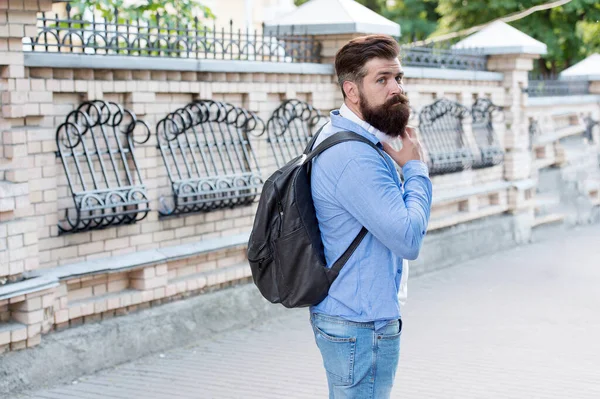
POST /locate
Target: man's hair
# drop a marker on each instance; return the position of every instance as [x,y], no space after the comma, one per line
[350,60]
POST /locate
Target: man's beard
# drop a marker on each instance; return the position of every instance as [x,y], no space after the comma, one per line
[391,118]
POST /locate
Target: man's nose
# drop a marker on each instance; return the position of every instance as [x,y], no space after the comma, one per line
[397,88]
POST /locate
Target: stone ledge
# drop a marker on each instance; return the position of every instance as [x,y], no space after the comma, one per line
[451,74]
[456,195]
[143,258]
[38,280]
[77,61]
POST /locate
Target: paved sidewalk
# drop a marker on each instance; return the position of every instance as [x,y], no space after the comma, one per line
[520,324]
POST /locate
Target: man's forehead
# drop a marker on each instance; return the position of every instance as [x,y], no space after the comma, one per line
[382,65]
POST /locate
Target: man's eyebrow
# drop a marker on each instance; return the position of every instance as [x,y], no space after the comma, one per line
[388,73]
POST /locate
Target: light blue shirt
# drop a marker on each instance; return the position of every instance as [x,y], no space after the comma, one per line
[353,186]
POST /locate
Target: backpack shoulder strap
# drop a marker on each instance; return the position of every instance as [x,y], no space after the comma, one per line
[329,142]
[312,140]
[338,138]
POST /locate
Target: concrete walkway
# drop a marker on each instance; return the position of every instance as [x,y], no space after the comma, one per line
[520,324]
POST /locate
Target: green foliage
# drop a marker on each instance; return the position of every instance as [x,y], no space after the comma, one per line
[417,18]
[571,31]
[171,11]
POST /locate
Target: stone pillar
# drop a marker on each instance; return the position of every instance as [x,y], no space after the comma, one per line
[20,116]
[518,159]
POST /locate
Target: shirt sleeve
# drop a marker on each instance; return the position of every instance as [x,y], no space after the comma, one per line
[368,191]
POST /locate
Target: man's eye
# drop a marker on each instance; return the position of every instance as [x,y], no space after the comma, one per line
[399,80]
[381,80]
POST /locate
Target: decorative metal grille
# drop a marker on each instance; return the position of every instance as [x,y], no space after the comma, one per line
[95,144]
[208,156]
[290,129]
[446,58]
[589,128]
[553,87]
[534,131]
[160,39]
[492,153]
[441,128]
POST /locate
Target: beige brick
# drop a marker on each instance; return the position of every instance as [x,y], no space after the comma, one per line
[117,277]
[113,303]
[161,270]
[159,293]
[145,273]
[87,308]
[29,305]
[17,299]
[100,289]
[100,305]
[74,311]
[147,296]
[116,243]
[34,330]
[47,300]
[36,316]
[61,316]
[15,346]
[18,334]
[171,290]
[33,341]
[91,248]
[119,285]
[79,294]
[125,300]
[145,284]
[136,298]
[4,337]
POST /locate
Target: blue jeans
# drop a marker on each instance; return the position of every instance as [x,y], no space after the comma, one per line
[360,362]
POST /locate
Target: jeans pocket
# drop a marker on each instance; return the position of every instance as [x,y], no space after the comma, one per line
[338,355]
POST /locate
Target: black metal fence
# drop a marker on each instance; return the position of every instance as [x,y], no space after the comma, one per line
[290,129]
[483,112]
[95,145]
[161,39]
[551,86]
[208,156]
[445,140]
[590,124]
[445,58]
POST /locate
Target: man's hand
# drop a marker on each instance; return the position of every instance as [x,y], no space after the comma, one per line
[411,149]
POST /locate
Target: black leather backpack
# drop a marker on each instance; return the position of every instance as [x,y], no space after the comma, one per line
[285,250]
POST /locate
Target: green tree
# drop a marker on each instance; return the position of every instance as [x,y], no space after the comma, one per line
[170,11]
[376,5]
[570,31]
[417,18]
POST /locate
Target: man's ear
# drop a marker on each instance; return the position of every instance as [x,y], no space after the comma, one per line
[351,90]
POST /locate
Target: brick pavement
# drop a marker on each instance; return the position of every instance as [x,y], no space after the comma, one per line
[519,324]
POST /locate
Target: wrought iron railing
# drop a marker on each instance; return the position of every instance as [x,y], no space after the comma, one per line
[208,156]
[440,125]
[290,129]
[483,112]
[446,58]
[554,87]
[590,124]
[161,39]
[95,145]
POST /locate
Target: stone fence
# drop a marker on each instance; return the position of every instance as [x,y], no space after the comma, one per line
[72,251]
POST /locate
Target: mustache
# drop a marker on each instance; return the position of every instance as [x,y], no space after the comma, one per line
[397,99]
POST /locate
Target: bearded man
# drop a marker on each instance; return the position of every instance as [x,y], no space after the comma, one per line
[358,325]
